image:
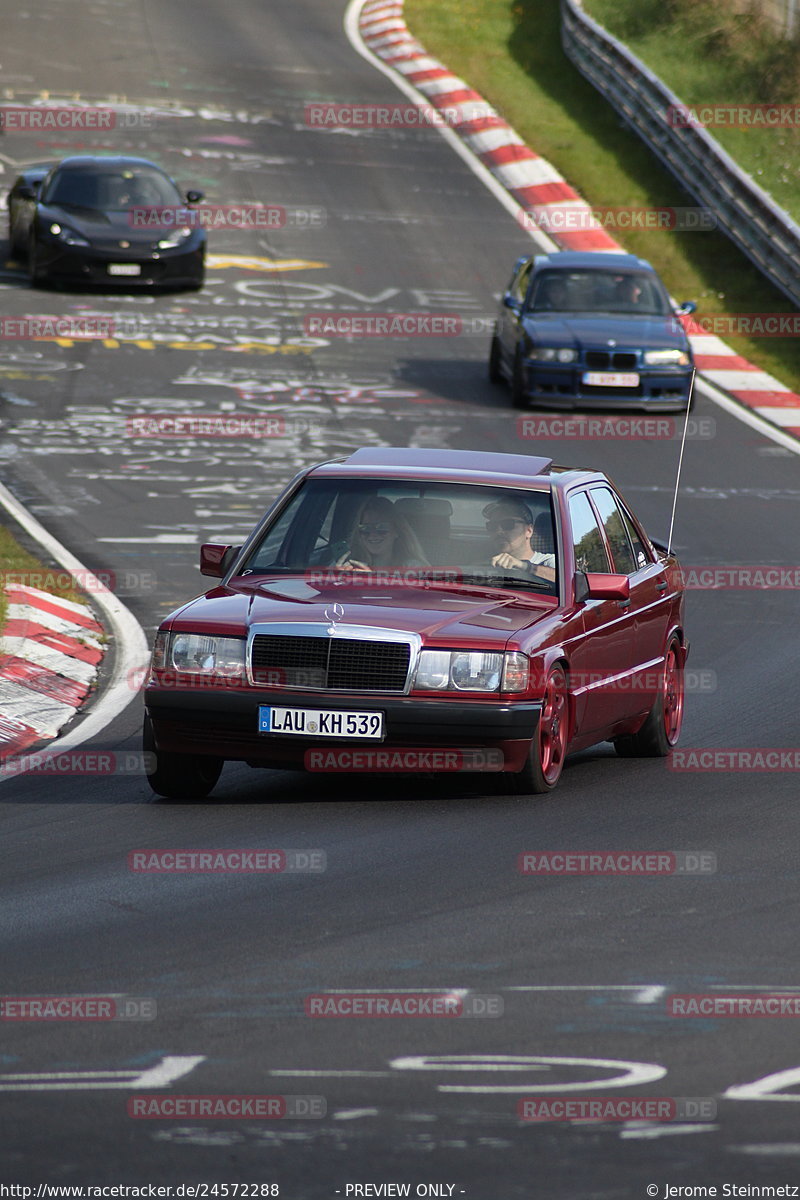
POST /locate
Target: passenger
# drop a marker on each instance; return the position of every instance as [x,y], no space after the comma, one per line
[509,523]
[381,538]
[552,294]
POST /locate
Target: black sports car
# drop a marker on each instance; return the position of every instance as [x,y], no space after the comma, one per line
[75,222]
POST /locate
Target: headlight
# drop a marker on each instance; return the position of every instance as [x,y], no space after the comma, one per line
[67,235]
[174,239]
[200,654]
[560,354]
[471,671]
[660,358]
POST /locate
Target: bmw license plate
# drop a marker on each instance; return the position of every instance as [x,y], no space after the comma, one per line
[124,269]
[611,379]
[320,722]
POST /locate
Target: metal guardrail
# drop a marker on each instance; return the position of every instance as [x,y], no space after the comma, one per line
[750,218]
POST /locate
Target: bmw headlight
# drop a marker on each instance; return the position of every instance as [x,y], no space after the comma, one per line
[67,235]
[199,654]
[173,239]
[562,354]
[664,358]
[471,671]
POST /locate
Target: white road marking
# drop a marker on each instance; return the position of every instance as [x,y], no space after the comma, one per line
[169,1069]
[649,1132]
[767,1088]
[633,1073]
[335,1074]
[353,1114]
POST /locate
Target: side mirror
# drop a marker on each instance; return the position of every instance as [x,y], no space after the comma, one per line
[194,197]
[687,306]
[608,587]
[25,192]
[510,302]
[215,560]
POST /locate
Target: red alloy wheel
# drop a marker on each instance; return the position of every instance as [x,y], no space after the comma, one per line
[552,730]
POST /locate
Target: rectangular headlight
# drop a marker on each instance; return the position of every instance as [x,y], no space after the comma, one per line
[201,654]
[663,358]
[471,671]
[562,354]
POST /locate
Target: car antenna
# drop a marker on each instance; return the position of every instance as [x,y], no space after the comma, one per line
[680,461]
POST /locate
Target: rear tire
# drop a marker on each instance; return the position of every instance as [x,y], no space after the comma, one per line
[179,776]
[548,749]
[662,728]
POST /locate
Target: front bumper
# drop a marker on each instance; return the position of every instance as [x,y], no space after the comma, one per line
[84,264]
[551,386]
[225,725]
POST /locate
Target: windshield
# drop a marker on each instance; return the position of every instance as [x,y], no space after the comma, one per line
[601,292]
[411,532]
[110,188]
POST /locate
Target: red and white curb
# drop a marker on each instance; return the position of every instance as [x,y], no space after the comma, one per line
[49,653]
[537,187]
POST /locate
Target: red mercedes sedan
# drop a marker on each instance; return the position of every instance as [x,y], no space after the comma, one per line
[411,609]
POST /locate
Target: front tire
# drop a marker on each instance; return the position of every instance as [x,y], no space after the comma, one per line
[662,728]
[495,373]
[519,397]
[178,776]
[548,749]
[35,276]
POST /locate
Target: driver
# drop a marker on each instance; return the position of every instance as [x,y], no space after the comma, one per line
[509,524]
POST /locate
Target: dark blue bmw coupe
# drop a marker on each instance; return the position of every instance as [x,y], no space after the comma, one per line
[591,330]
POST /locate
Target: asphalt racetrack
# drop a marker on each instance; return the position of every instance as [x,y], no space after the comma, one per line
[421,891]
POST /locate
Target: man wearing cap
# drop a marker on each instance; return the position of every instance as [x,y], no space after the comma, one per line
[509,523]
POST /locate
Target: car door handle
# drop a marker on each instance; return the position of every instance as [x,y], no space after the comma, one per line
[662,585]
[624,603]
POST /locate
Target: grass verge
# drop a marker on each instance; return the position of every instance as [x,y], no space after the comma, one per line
[709,54]
[19,563]
[510,52]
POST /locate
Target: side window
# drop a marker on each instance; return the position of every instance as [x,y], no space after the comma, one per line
[616,532]
[590,552]
[641,555]
[519,287]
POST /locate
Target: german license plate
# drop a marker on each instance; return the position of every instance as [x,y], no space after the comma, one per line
[611,379]
[124,269]
[320,722]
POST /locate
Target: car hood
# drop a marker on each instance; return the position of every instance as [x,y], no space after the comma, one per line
[459,614]
[101,226]
[575,330]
